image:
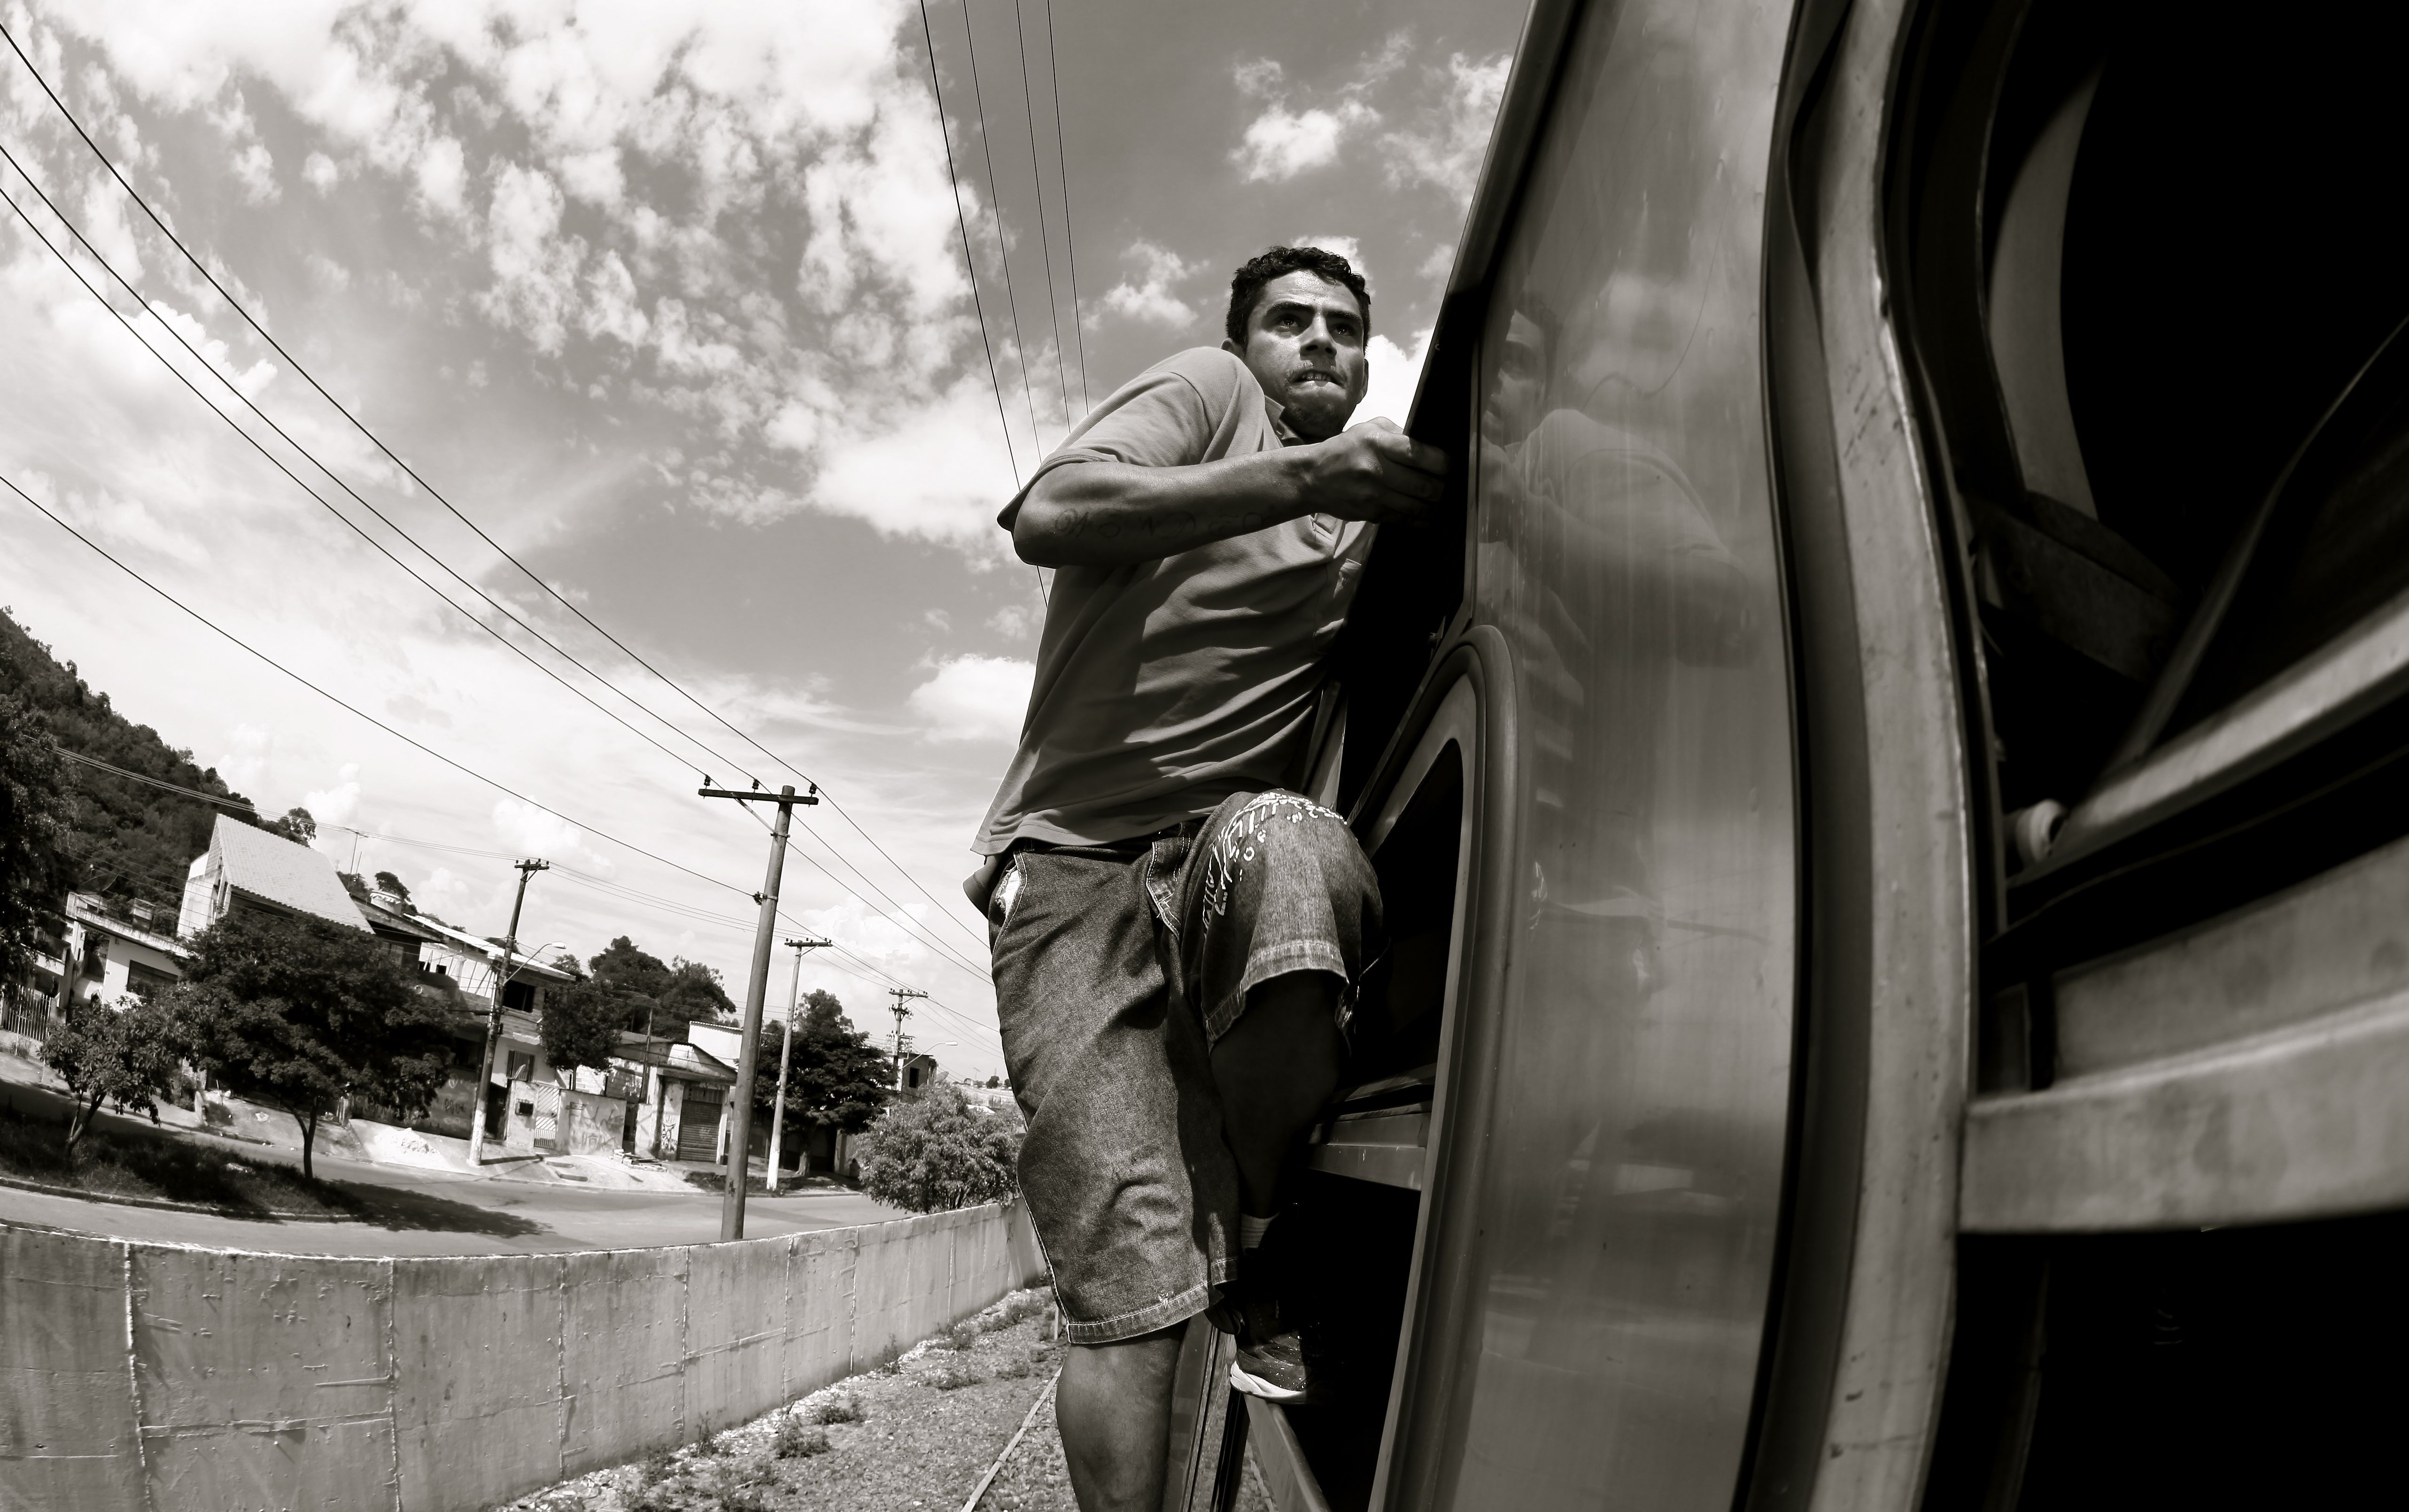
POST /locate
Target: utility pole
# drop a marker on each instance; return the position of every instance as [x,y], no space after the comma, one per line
[786,1053]
[527,869]
[902,996]
[765,934]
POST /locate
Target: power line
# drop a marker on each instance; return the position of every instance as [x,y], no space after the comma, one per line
[462,768]
[243,804]
[995,218]
[903,922]
[1069,242]
[689,910]
[438,495]
[354,526]
[320,501]
[1029,113]
[970,264]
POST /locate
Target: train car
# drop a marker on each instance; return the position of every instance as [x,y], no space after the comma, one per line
[1889,791]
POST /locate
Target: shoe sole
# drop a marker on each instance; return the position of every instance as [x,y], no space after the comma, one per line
[1255,1386]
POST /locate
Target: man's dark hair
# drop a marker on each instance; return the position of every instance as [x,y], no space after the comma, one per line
[1247,284]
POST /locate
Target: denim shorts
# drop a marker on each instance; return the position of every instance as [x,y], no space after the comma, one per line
[1117,967]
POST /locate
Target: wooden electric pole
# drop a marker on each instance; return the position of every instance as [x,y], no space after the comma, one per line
[786,1053]
[527,869]
[902,996]
[765,935]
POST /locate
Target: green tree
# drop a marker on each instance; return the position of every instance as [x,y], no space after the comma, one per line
[297,1013]
[678,991]
[34,865]
[124,1055]
[582,1021]
[941,1152]
[387,882]
[835,1079]
[297,826]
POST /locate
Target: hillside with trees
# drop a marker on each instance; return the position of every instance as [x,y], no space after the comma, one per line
[124,839]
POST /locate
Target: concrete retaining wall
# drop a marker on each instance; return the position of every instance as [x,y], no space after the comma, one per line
[156,1379]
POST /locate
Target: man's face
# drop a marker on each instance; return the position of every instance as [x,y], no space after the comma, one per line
[1305,344]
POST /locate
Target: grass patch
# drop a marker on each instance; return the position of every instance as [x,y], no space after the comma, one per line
[838,1409]
[110,1164]
[1012,1370]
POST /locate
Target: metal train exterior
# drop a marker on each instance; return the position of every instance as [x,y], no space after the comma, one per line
[1887,797]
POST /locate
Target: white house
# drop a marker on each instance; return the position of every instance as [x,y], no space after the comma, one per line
[250,868]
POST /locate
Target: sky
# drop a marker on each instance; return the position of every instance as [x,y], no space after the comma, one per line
[670,302]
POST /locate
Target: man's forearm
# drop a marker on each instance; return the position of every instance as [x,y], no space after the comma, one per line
[1107,513]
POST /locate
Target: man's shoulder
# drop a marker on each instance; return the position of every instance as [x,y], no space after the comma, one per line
[1220,378]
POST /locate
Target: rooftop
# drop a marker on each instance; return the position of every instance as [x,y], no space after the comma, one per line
[279,872]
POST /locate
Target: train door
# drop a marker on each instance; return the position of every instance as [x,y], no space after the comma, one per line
[1548,1204]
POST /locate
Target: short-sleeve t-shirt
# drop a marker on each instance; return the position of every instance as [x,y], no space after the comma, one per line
[1165,686]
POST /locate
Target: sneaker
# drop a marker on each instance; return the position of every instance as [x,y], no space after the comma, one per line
[1275,1370]
[1260,1308]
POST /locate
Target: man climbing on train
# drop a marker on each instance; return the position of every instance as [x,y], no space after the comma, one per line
[1178,937]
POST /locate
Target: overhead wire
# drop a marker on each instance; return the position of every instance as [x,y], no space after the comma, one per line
[242,804]
[461,767]
[697,912]
[995,218]
[1037,184]
[1069,242]
[970,264]
[320,501]
[378,442]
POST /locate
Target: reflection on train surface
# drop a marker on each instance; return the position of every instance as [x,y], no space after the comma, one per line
[1888,798]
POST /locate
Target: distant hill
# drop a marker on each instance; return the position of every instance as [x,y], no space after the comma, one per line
[129,840]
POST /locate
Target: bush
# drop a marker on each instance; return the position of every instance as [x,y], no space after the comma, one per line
[939,1152]
[837,1409]
[796,1439]
[952,1377]
[962,1335]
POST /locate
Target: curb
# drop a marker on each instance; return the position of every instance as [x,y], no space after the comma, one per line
[210,1209]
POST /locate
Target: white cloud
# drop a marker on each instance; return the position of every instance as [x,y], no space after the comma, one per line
[1149,297]
[1280,143]
[1351,248]
[1396,372]
[529,831]
[256,170]
[337,805]
[975,698]
[320,172]
[441,176]
[535,268]
[939,473]
[1444,145]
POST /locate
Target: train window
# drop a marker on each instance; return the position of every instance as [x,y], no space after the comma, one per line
[1616,1258]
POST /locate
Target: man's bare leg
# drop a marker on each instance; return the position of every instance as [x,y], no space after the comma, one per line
[1113,1405]
[1276,1068]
